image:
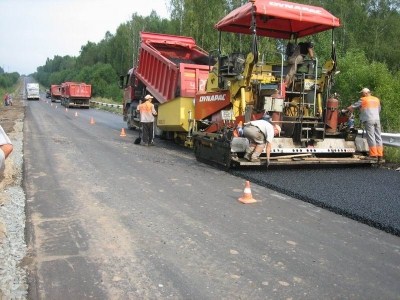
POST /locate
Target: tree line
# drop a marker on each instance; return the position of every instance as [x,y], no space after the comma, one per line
[367,48]
[7,80]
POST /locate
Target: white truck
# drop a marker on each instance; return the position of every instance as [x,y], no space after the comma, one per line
[32,91]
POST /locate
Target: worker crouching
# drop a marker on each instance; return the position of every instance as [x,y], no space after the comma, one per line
[260,134]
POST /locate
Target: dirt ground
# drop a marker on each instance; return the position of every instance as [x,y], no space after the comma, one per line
[9,116]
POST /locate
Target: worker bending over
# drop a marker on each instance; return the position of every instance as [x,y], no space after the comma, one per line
[260,133]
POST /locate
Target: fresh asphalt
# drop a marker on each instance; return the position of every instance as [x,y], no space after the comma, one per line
[367,194]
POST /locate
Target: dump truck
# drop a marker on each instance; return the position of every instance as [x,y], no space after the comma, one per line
[76,94]
[173,69]
[55,92]
[32,91]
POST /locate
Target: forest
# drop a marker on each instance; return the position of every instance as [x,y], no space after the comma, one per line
[7,80]
[367,48]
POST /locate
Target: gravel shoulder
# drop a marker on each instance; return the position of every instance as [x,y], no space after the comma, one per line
[12,205]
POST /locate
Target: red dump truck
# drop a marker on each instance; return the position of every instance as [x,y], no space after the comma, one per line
[55,92]
[172,69]
[76,94]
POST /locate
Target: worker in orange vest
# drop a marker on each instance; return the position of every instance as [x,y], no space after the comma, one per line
[147,113]
[370,108]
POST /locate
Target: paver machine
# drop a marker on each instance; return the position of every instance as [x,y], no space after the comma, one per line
[246,86]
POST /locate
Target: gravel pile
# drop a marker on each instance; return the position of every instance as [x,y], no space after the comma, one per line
[13,283]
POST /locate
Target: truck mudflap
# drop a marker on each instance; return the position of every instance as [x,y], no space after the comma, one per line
[217,149]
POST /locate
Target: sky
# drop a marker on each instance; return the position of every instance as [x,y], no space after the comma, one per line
[33,30]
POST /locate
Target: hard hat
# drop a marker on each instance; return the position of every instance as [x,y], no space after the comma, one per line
[148,97]
[365,91]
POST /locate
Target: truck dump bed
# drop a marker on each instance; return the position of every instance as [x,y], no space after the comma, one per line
[76,94]
[55,90]
[171,66]
[77,90]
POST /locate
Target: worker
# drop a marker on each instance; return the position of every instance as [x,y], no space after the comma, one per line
[5,98]
[9,100]
[260,133]
[300,52]
[6,147]
[147,113]
[370,108]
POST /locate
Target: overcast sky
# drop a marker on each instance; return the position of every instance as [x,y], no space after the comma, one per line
[33,30]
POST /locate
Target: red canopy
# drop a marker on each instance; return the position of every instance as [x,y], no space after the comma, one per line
[279,19]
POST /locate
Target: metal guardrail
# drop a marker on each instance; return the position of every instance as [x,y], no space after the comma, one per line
[106,104]
[389,139]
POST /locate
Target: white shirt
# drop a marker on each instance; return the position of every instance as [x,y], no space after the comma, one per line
[4,139]
[266,127]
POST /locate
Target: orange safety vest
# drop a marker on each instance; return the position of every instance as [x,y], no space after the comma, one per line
[147,111]
[370,108]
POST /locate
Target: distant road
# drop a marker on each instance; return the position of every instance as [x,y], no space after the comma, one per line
[107,219]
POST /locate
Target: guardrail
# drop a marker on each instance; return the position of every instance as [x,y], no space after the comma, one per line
[389,139]
[106,104]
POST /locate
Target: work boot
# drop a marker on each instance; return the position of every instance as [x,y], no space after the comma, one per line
[255,156]
[247,156]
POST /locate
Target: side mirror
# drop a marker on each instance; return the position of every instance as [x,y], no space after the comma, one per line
[121,81]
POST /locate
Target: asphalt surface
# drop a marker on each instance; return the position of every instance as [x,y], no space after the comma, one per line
[367,194]
[107,219]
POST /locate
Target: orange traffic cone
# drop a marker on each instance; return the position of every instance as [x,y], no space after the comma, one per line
[122,132]
[91,120]
[247,196]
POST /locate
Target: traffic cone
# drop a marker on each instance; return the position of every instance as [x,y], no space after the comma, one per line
[76,114]
[66,109]
[122,132]
[91,120]
[247,196]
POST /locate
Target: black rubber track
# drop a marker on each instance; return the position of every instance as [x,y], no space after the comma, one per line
[370,195]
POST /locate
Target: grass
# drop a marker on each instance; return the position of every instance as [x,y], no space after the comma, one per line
[392,154]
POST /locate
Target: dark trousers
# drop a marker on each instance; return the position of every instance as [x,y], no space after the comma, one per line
[147,132]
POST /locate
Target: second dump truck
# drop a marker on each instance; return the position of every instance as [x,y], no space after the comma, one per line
[76,94]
